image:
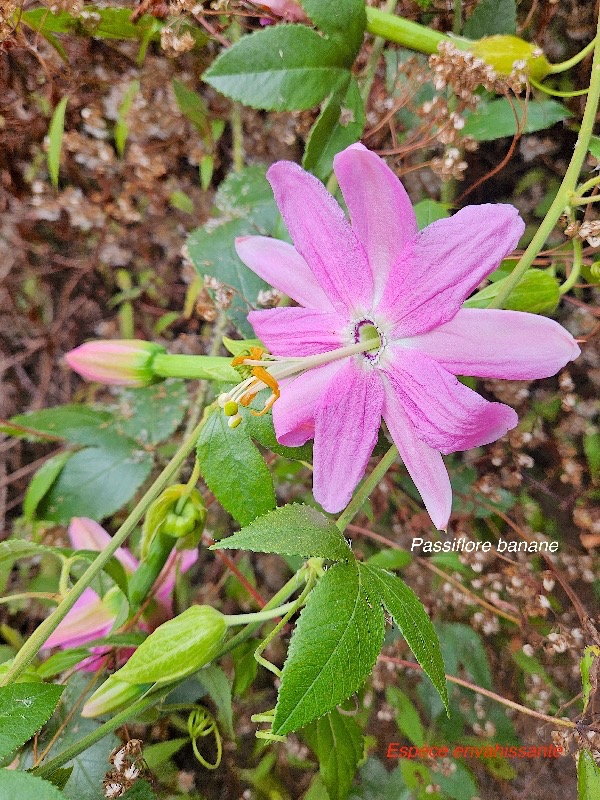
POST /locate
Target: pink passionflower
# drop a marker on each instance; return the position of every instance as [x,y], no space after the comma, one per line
[92,616]
[377,276]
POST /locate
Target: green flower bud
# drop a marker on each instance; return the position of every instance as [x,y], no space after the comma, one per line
[112,696]
[501,52]
[177,648]
[164,517]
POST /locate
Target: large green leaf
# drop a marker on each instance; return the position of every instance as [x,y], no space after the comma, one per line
[281,68]
[151,414]
[334,646]
[410,616]
[428,211]
[293,530]
[495,119]
[490,18]
[16,785]
[262,431]
[537,292]
[339,124]
[234,470]
[24,708]
[337,742]
[96,482]
[344,21]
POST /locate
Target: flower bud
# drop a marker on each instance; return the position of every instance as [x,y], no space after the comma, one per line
[119,362]
[177,648]
[501,52]
[112,696]
[166,517]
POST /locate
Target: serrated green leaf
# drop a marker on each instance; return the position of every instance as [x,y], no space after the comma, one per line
[344,21]
[495,119]
[462,647]
[96,482]
[62,661]
[234,470]
[333,648]
[337,741]
[280,68]
[428,211]
[121,126]
[238,346]
[151,414]
[24,708]
[376,783]
[23,786]
[588,777]
[490,18]
[537,292]
[339,124]
[155,755]
[292,530]
[55,137]
[390,558]
[411,618]
[41,482]
[60,776]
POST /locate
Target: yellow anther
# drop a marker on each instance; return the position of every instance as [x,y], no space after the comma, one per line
[230,408]
[233,422]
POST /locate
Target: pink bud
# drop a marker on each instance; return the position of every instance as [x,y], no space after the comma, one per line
[289,10]
[118,362]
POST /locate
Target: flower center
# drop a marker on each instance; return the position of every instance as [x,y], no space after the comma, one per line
[366,330]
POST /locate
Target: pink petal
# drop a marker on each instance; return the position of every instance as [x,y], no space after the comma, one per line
[380,209]
[294,412]
[323,236]
[281,266]
[498,344]
[447,415]
[85,534]
[424,464]
[89,619]
[346,426]
[179,561]
[447,261]
[297,331]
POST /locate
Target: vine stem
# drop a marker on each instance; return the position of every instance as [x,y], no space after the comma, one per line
[371,69]
[567,187]
[563,723]
[366,488]
[36,641]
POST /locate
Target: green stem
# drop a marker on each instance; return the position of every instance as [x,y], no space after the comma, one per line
[36,641]
[260,616]
[575,269]
[564,194]
[237,130]
[582,201]
[591,184]
[406,33]
[563,66]
[556,92]
[45,770]
[371,69]
[210,368]
[366,488]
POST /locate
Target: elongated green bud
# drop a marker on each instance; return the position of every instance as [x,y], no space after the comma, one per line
[177,648]
[169,516]
[112,696]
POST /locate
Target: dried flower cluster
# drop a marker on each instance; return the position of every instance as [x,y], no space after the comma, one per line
[128,766]
[464,72]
